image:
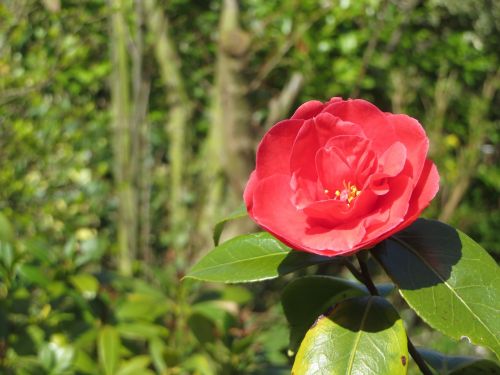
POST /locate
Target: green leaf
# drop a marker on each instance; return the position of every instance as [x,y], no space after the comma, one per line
[136,365]
[6,232]
[306,298]
[141,330]
[222,313]
[7,256]
[236,293]
[203,328]
[34,274]
[362,335]
[447,278]
[199,364]
[83,362]
[108,346]
[251,257]
[86,284]
[219,227]
[156,351]
[139,306]
[457,365]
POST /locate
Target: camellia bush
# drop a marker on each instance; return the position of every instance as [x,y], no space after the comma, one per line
[340,182]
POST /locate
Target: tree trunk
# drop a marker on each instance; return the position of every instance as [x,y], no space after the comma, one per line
[121,125]
[229,146]
[180,109]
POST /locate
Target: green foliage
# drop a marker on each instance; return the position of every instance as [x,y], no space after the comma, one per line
[219,227]
[108,346]
[306,298]
[447,278]
[454,365]
[360,336]
[252,257]
[441,273]
[82,321]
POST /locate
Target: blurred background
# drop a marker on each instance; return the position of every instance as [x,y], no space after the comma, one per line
[128,128]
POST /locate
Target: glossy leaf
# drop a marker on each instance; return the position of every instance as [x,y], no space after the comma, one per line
[457,365]
[447,278]
[306,298]
[251,257]
[108,346]
[240,212]
[362,335]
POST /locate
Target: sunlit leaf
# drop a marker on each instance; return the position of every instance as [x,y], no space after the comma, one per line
[240,212]
[306,298]
[86,284]
[108,347]
[251,257]
[136,365]
[447,278]
[156,350]
[362,335]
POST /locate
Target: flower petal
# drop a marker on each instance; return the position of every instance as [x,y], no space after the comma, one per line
[273,211]
[425,190]
[392,161]
[273,152]
[308,110]
[332,169]
[372,120]
[412,135]
[391,211]
[313,135]
[249,192]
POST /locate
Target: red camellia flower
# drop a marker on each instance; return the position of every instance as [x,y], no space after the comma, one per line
[340,176]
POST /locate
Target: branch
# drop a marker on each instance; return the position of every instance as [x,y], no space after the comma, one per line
[180,111]
[370,49]
[280,105]
[469,156]
[276,57]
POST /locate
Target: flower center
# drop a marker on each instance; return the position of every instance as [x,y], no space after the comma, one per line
[347,194]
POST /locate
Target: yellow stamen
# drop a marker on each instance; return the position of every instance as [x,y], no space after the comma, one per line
[348,193]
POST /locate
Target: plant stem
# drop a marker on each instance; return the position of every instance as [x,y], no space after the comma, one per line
[365,278]
[417,358]
[354,271]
